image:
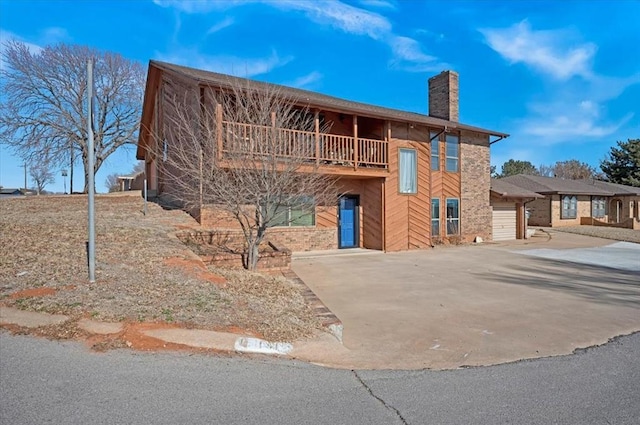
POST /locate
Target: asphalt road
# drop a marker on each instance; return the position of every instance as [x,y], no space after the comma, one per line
[63,383]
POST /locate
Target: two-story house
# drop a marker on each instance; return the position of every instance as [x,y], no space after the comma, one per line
[408,180]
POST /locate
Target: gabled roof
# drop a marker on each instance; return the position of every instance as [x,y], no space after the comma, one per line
[617,189]
[507,190]
[320,100]
[553,185]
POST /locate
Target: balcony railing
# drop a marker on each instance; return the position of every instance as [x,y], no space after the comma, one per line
[324,149]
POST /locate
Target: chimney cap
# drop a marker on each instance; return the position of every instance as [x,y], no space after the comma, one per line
[446,71]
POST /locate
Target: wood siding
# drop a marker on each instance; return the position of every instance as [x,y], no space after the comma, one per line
[408,216]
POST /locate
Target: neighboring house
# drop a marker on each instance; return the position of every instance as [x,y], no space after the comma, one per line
[6,192]
[132,181]
[429,180]
[575,202]
[508,203]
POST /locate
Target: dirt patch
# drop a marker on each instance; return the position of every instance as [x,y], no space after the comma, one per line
[142,273]
[33,292]
[196,267]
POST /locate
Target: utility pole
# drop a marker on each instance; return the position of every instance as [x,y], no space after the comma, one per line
[91,153]
[71,168]
[25,175]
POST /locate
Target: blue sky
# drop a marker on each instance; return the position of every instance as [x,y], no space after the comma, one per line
[562,77]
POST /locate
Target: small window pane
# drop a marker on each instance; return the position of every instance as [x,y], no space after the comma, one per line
[435,151]
[452,151]
[569,207]
[435,217]
[408,170]
[302,217]
[453,216]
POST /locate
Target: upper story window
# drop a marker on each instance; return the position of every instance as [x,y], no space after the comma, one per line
[435,150]
[598,207]
[569,206]
[452,152]
[408,171]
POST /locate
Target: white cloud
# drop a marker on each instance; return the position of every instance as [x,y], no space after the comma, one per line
[306,80]
[6,36]
[227,22]
[53,35]
[408,55]
[558,122]
[232,65]
[407,52]
[197,6]
[380,4]
[546,51]
[342,16]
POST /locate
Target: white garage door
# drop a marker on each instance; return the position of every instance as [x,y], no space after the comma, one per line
[504,221]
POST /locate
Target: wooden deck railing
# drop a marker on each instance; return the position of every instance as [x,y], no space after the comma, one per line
[323,148]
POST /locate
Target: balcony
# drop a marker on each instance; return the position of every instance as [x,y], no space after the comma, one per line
[326,150]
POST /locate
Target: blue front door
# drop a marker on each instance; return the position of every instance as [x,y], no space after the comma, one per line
[348,229]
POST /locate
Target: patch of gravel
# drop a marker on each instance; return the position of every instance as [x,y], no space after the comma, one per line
[44,245]
[614,233]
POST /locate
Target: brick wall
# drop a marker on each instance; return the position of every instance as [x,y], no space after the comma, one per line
[475,183]
[307,238]
[304,238]
[540,212]
[584,210]
[443,96]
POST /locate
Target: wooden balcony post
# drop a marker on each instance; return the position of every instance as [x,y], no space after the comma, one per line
[316,120]
[219,130]
[355,142]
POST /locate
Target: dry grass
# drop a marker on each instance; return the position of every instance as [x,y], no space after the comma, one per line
[614,233]
[43,245]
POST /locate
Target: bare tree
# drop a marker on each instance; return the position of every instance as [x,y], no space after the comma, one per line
[43,109]
[570,170]
[113,183]
[246,152]
[41,175]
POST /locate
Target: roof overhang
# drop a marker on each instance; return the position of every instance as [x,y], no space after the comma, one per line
[319,100]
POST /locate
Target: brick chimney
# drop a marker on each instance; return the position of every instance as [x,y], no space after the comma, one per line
[443,96]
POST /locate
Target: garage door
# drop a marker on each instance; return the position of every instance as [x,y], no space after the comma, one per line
[504,221]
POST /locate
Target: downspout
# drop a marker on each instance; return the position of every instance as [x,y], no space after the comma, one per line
[526,222]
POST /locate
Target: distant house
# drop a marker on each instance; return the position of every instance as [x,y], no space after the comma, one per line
[6,192]
[131,181]
[409,180]
[576,202]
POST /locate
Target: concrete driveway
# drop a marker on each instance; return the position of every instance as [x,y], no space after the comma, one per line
[475,305]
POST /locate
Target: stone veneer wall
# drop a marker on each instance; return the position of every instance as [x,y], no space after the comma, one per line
[475,184]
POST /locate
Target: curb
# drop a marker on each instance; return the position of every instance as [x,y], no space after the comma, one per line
[327,318]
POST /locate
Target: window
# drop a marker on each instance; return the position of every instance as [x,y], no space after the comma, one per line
[300,214]
[452,153]
[408,169]
[569,206]
[435,150]
[598,206]
[435,217]
[453,216]
[165,150]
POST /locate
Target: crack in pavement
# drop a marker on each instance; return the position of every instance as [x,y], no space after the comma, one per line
[384,403]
